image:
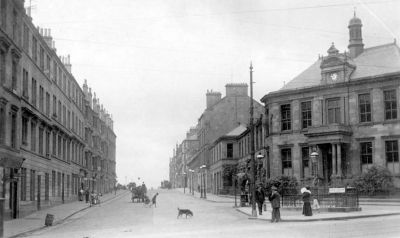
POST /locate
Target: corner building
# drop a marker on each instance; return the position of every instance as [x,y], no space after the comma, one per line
[43,120]
[345,107]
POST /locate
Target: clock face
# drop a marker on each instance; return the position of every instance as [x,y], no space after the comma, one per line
[333,76]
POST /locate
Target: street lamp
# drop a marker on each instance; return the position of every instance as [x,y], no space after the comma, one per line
[184,182]
[203,181]
[259,158]
[314,163]
[252,152]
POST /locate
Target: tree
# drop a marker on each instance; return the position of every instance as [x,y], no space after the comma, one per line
[375,179]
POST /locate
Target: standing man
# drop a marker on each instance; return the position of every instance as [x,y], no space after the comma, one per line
[154,200]
[260,198]
[275,199]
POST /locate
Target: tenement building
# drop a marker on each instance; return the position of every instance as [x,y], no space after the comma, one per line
[46,154]
[220,117]
[345,108]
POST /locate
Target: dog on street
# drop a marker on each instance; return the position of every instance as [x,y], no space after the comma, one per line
[185,212]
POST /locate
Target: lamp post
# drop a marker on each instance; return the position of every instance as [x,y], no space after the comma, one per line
[184,182]
[252,152]
[203,180]
[259,158]
[314,163]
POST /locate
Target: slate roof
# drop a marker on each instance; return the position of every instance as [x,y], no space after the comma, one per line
[374,61]
[237,131]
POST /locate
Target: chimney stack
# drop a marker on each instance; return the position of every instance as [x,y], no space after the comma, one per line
[212,98]
[67,64]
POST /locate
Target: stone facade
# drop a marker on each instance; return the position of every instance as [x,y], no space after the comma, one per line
[42,119]
[345,107]
[220,117]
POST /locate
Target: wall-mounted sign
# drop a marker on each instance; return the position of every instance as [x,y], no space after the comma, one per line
[337,190]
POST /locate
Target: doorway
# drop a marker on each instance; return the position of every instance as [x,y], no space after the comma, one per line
[326,156]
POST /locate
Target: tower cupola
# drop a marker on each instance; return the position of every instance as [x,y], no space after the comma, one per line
[356,46]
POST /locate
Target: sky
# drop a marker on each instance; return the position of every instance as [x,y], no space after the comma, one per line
[151,62]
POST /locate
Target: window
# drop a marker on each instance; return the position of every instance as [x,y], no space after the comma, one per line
[2,122]
[23,184]
[365,155]
[53,183]
[34,92]
[392,156]
[286,156]
[15,26]
[306,114]
[34,49]
[59,111]
[14,73]
[390,104]
[2,67]
[54,143]
[26,38]
[46,186]
[33,136]
[32,185]
[13,137]
[41,58]
[55,67]
[333,111]
[3,13]
[47,143]
[41,98]
[64,116]
[68,184]
[47,65]
[41,134]
[54,105]
[24,130]
[286,117]
[305,155]
[25,83]
[59,184]
[364,104]
[229,150]
[47,104]
[59,146]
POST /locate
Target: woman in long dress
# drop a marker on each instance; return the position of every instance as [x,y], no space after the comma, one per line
[307,211]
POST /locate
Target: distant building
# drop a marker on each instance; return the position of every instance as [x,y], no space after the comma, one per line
[344,107]
[220,117]
[44,143]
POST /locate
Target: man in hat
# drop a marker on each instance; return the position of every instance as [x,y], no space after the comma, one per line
[260,198]
[275,199]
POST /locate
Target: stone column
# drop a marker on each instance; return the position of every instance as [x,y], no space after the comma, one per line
[339,160]
[333,159]
[310,162]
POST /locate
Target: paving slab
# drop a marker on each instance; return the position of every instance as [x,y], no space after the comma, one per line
[35,221]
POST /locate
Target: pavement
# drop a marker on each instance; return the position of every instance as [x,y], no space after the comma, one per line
[35,221]
[370,207]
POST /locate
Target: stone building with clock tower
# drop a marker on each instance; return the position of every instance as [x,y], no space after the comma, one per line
[345,107]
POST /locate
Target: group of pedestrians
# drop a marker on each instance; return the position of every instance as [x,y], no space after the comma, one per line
[275,199]
[92,198]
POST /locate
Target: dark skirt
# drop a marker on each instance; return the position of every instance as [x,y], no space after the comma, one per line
[307,211]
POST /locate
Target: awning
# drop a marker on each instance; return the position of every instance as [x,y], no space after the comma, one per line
[10,161]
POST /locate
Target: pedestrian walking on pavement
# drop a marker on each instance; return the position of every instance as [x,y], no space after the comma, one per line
[154,200]
[275,199]
[81,194]
[87,195]
[260,198]
[307,211]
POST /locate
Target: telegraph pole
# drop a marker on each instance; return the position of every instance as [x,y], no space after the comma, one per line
[252,152]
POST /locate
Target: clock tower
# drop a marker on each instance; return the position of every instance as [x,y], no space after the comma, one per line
[335,67]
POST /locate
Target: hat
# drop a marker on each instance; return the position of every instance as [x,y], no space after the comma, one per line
[273,188]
